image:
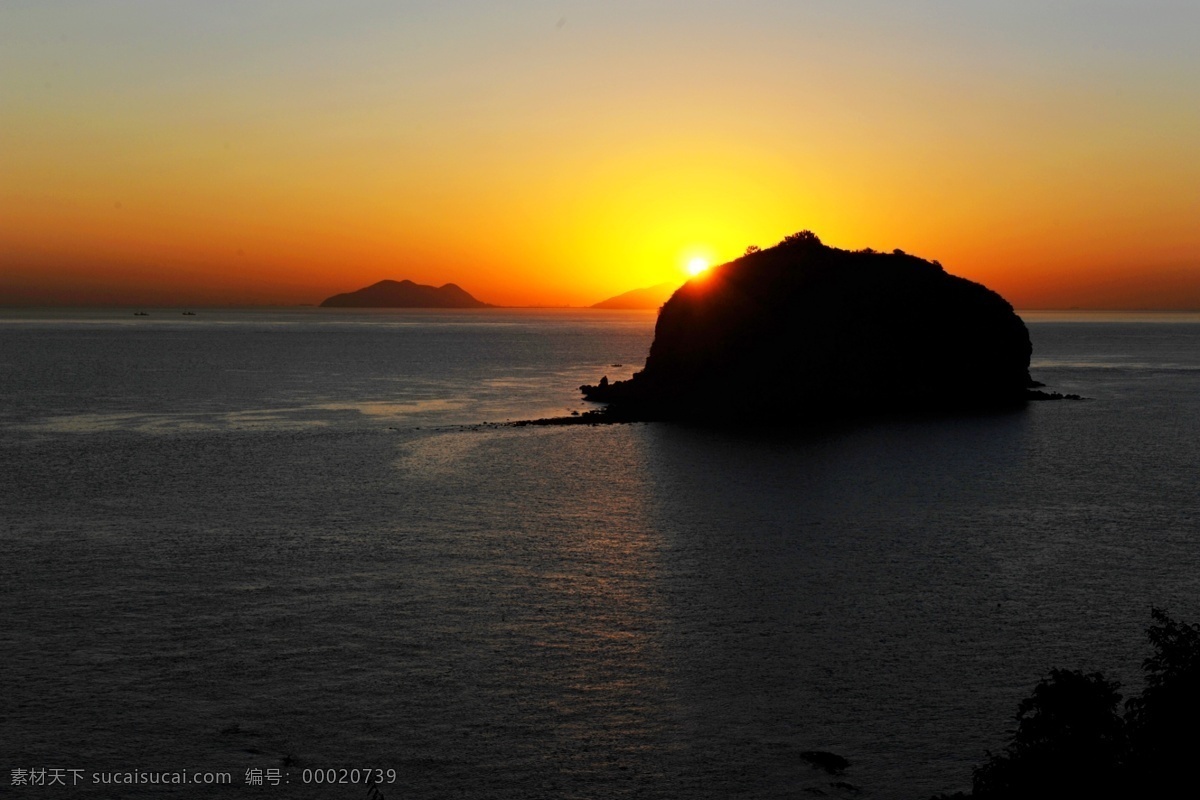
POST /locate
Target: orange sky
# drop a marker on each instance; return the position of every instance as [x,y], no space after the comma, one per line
[543,153]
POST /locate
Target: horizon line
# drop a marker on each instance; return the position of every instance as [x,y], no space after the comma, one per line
[497,307]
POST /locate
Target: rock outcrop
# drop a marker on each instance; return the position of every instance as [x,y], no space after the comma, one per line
[405,294]
[801,329]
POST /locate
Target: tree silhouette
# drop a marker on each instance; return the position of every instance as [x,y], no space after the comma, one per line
[1071,741]
[1163,721]
[804,237]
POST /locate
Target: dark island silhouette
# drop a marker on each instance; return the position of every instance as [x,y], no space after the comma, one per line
[405,294]
[806,329]
[650,297]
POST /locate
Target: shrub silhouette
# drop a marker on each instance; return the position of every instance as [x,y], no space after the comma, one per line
[804,237]
[1164,722]
[1071,740]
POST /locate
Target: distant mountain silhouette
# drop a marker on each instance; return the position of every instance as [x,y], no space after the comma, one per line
[809,331]
[650,297]
[405,294]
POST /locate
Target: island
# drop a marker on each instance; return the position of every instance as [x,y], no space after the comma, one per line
[805,331]
[650,297]
[405,294]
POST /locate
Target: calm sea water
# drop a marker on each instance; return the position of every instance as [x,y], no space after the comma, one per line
[280,540]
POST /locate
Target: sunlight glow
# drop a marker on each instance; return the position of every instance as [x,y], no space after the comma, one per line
[697,265]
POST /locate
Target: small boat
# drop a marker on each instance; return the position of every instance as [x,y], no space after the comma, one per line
[140,314]
[189,313]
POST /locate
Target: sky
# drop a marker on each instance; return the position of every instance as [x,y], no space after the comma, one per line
[210,152]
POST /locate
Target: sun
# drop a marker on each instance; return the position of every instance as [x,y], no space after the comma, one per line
[697,265]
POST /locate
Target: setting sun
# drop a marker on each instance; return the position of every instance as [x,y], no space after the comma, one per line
[697,265]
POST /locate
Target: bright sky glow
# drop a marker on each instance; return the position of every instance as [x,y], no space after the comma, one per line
[210,151]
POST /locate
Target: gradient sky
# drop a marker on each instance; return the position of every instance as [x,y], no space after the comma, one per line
[215,152]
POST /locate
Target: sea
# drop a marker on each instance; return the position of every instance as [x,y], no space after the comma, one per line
[297,553]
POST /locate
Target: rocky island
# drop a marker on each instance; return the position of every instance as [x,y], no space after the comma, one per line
[803,329]
[405,294]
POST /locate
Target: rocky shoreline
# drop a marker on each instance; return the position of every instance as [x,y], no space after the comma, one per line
[624,415]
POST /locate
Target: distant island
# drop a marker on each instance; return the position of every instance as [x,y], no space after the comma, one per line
[805,331]
[405,294]
[650,297]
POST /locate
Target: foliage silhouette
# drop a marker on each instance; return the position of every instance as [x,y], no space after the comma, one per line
[805,237]
[1164,722]
[1069,740]
[1072,741]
